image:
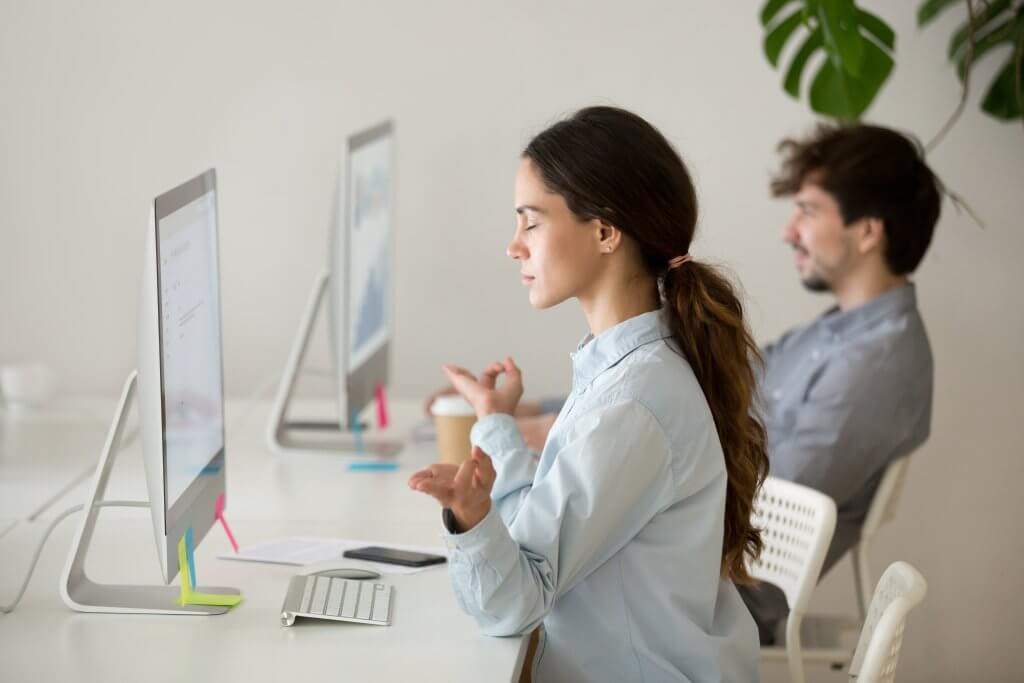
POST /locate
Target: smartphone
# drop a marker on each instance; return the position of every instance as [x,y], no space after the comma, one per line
[406,558]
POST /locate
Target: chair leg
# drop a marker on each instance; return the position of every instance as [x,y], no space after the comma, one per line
[861,578]
[793,651]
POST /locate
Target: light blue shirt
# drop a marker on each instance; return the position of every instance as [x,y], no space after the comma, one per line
[613,540]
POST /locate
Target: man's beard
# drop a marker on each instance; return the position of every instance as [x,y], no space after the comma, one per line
[816,283]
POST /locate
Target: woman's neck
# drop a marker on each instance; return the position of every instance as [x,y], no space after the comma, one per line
[611,303]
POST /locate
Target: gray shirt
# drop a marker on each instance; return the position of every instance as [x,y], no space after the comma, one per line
[844,396]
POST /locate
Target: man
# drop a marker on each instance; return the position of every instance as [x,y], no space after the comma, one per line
[850,392]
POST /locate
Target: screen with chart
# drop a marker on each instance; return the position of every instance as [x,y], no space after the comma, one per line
[191,372]
[370,191]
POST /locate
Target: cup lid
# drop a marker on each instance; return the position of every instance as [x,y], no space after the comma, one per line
[453,405]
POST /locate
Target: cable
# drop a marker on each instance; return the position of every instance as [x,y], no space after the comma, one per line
[7,609]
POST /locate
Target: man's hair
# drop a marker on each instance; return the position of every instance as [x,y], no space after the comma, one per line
[872,172]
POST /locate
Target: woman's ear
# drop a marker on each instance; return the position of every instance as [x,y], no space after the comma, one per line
[608,236]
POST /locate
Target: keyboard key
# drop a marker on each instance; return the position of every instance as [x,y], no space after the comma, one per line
[348,604]
[307,594]
[365,607]
[334,597]
[381,602]
[319,595]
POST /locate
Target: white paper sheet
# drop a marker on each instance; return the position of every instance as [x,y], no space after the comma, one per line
[314,554]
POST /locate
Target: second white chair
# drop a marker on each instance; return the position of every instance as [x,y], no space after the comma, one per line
[901,588]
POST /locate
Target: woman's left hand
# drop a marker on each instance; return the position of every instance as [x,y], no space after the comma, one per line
[465,488]
[484,394]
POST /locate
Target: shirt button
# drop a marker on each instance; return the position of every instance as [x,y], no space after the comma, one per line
[777,394]
[815,354]
[451,544]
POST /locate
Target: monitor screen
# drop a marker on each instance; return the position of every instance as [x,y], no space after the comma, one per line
[191,377]
[370,184]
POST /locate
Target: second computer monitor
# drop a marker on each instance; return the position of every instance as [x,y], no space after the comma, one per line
[361,269]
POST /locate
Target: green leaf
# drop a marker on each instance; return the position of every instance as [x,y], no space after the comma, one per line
[837,93]
[796,67]
[777,37]
[1001,99]
[878,28]
[981,21]
[932,8]
[1004,33]
[841,31]
[770,9]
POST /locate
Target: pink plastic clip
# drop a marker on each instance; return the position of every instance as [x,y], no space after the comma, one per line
[218,512]
[382,407]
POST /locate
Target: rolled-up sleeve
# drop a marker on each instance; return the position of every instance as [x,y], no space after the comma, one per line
[612,475]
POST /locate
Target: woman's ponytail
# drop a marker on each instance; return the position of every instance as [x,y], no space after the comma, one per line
[706,319]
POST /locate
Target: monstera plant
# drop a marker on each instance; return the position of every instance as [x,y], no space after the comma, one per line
[859,48]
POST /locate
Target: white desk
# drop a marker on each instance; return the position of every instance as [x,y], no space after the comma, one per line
[269,496]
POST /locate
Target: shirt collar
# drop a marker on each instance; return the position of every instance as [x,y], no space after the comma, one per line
[594,355]
[893,302]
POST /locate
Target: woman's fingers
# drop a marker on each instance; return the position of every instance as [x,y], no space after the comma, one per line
[463,381]
[489,377]
[464,477]
[485,468]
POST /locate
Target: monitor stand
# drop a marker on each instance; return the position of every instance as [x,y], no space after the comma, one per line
[284,435]
[78,590]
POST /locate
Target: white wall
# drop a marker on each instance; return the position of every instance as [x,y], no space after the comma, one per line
[103,105]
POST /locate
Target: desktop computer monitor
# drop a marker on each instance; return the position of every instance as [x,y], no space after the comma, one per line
[180,367]
[361,269]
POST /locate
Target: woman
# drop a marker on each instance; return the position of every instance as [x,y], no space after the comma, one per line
[627,536]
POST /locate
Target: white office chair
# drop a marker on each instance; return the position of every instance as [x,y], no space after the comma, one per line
[882,510]
[797,524]
[878,650]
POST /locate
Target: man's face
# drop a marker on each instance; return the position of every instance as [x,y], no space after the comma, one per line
[823,246]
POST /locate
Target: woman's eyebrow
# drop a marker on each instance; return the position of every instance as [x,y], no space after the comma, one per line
[526,207]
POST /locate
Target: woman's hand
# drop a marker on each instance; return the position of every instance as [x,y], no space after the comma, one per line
[484,394]
[465,489]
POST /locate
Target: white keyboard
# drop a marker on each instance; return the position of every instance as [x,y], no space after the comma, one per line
[324,597]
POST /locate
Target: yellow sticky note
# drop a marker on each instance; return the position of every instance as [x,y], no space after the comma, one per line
[188,597]
[214,599]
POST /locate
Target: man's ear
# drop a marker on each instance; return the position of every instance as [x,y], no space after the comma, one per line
[872,234]
[609,237]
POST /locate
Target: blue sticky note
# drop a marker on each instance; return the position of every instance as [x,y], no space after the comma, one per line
[190,556]
[373,466]
[357,432]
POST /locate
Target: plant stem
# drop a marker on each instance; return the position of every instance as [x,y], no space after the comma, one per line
[968,57]
[1017,80]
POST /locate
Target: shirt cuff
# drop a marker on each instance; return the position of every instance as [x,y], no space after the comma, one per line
[497,434]
[477,538]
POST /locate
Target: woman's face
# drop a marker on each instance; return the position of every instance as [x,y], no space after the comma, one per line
[559,256]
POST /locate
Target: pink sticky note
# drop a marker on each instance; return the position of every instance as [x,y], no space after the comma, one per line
[218,512]
[382,407]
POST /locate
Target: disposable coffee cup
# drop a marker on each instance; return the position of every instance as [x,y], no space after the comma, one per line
[454,419]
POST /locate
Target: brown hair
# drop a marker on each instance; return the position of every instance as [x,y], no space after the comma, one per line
[611,165]
[871,172]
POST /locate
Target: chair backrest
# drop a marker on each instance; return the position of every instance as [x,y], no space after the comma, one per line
[796,525]
[883,505]
[878,649]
